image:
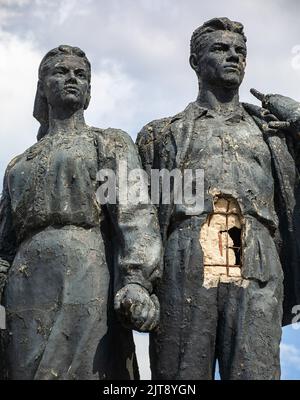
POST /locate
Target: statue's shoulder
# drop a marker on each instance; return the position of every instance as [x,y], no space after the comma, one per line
[158,124]
[253,110]
[157,130]
[113,138]
[10,167]
[13,162]
[28,154]
[153,131]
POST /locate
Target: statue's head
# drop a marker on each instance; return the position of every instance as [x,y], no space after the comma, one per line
[218,53]
[64,82]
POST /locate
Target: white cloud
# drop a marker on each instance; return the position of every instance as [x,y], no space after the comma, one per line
[67,8]
[57,12]
[12,3]
[18,77]
[290,354]
[5,16]
[113,97]
[10,9]
[290,361]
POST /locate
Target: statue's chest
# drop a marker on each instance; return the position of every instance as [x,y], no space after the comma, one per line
[217,143]
[55,162]
[73,154]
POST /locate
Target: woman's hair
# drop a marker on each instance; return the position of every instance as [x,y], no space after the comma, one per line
[40,109]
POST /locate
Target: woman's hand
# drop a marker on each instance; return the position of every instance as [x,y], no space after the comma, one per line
[136,308]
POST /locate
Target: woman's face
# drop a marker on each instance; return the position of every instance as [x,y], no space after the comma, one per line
[66,82]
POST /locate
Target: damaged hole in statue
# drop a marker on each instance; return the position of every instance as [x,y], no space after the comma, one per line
[221,239]
[235,235]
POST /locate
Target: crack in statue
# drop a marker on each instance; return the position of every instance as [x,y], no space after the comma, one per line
[224,299]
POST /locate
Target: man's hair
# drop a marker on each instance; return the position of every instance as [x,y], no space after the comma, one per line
[40,110]
[200,35]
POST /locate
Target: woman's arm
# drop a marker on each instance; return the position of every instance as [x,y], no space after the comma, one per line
[137,230]
[7,234]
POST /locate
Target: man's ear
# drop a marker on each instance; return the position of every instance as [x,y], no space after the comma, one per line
[194,62]
[88,98]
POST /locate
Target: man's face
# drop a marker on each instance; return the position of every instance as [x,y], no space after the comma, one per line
[66,83]
[222,61]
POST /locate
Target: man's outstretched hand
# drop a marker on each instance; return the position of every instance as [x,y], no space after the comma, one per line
[136,308]
[272,123]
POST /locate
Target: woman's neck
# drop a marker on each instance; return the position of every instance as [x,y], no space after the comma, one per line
[66,122]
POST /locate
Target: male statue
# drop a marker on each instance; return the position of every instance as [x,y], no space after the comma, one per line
[222,290]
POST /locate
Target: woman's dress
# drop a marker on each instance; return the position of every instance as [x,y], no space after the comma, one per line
[62,271]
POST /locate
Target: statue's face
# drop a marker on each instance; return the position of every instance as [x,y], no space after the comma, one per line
[222,61]
[66,82]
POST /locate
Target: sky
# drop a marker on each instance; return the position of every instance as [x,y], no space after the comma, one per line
[139,53]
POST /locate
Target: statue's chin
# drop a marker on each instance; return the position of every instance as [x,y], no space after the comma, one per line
[232,81]
[72,101]
[227,81]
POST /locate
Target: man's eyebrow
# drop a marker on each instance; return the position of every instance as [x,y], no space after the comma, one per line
[219,42]
[66,67]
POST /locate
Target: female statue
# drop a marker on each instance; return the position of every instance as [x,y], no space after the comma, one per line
[62,254]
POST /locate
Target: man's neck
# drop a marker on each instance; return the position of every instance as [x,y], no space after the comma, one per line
[66,122]
[218,99]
